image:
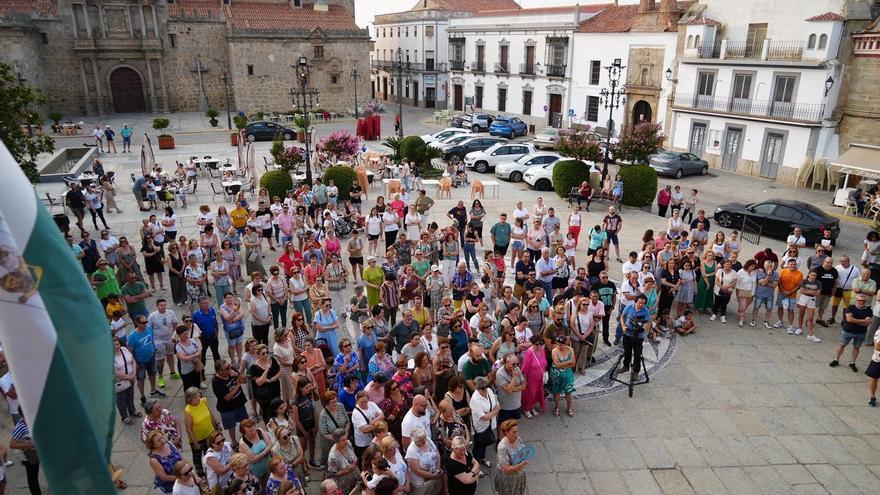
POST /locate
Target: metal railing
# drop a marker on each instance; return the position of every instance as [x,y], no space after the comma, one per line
[502,68]
[435,67]
[527,69]
[478,66]
[794,112]
[556,70]
[785,50]
[749,50]
[742,50]
[456,64]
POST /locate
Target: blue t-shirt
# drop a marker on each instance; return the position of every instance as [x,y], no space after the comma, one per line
[634,320]
[367,345]
[207,322]
[141,345]
[501,231]
[763,290]
[348,400]
[597,238]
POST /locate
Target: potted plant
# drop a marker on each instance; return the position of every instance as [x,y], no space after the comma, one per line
[56,117]
[240,123]
[212,115]
[166,141]
[302,124]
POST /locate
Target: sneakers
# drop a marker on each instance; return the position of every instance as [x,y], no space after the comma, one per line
[160,382]
[778,324]
[872,402]
[616,341]
[174,376]
[157,393]
[767,324]
[813,338]
[834,364]
[852,366]
[798,331]
[790,330]
[723,319]
[741,323]
[528,414]
[319,467]
[830,321]
[753,323]
[634,376]
[712,318]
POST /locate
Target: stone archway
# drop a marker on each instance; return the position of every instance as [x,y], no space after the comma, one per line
[127,91]
[642,112]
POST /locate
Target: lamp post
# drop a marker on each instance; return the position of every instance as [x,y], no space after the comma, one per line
[398,67]
[225,78]
[612,99]
[355,77]
[828,84]
[304,99]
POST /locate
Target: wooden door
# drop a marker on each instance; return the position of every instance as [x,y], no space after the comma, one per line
[555,111]
[458,97]
[127,91]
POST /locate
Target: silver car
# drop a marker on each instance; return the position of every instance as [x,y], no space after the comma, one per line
[678,164]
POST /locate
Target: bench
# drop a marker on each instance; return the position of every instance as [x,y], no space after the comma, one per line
[574,196]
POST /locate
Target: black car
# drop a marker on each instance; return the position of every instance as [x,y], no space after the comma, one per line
[263,130]
[478,143]
[778,217]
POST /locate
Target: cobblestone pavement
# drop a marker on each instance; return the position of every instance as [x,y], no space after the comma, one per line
[734,410]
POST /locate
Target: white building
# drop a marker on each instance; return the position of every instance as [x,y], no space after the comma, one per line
[642,36]
[516,62]
[756,85]
[420,35]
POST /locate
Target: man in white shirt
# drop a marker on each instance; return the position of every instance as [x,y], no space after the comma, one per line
[417,417]
[632,264]
[546,269]
[99,138]
[796,239]
[846,275]
[7,385]
[363,419]
[629,292]
[164,322]
[520,212]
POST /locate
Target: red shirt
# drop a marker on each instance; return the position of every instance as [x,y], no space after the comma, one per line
[289,263]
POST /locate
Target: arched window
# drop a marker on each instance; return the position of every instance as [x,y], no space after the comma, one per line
[811,42]
[697,43]
[823,41]
[690,41]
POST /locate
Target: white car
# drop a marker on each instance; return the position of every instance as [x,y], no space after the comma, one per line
[513,171]
[547,138]
[483,161]
[450,140]
[541,178]
[445,133]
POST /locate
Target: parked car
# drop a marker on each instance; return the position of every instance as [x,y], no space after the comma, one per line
[451,140]
[474,121]
[483,161]
[678,164]
[478,143]
[514,170]
[778,217]
[541,178]
[547,138]
[445,133]
[263,130]
[509,127]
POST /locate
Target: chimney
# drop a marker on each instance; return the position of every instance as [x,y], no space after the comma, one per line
[321,6]
[645,6]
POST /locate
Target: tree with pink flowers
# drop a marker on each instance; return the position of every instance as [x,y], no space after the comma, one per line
[338,146]
[636,145]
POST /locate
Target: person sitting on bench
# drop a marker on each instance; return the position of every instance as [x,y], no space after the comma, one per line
[585,193]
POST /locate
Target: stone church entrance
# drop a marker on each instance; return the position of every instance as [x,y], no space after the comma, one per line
[127,91]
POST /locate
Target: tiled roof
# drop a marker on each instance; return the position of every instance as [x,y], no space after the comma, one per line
[194,9]
[469,5]
[35,8]
[256,16]
[619,19]
[565,9]
[702,21]
[827,17]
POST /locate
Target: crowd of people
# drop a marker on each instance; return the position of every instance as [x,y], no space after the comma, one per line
[396,359]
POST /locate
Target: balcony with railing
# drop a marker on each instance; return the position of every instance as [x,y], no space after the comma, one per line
[478,66]
[527,69]
[502,68]
[431,66]
[556,70]
[771,110]
[457,65]
[769,50]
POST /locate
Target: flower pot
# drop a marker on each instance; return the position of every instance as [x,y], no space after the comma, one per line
[166,142]
[233,139]
[301,136]
[213,122]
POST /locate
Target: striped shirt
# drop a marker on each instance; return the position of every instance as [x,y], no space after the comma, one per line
[390,295]
[21,431]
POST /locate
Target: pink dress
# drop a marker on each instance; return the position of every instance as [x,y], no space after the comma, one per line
[533,366]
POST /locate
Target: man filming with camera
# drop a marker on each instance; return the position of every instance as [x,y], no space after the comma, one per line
[635,319]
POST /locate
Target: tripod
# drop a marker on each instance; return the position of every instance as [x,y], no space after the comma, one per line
[630,383]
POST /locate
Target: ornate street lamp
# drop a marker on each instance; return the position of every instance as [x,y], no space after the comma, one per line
[398,67]
[305,99]
[226,79]
[611,100]
[355,77]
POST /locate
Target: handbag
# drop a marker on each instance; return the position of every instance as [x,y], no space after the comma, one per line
[123,385]
[485,438]
[253,256]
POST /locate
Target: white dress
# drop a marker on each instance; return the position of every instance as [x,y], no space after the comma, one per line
[413,221]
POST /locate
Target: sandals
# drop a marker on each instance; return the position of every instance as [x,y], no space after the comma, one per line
[127,421]
[570,413]
[556,412]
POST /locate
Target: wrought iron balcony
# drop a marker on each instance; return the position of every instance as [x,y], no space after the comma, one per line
[527,69]
[556,70]
[478,66]
[432,66]
[456,65]
[502,68]
[768,50]
[773,110]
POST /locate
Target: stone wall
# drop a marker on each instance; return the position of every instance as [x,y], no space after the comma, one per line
[268,89]
[206,40]
[860,109]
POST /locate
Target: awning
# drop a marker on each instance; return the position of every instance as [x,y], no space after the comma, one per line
[860,159]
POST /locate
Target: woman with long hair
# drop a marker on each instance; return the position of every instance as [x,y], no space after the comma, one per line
[265,374]
[687,287]
[305,418]
[705,297]
[175,264]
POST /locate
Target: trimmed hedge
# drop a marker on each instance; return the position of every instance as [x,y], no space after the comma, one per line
[568,174]
[277,182]
[342,177]
[412,149]
[639,185]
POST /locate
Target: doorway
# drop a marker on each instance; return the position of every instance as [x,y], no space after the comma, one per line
[697,144]
[641,112]
[430,95]
[415,94]
[127,91]
[458,97]
[732,145]
[555,111]
[771,158]
[385,88]
[373,90]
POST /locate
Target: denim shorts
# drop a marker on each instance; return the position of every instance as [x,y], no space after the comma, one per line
[237,340]
[764,301]
[612,238]
[232,418]
[786,302]
[857,339]
[144,369]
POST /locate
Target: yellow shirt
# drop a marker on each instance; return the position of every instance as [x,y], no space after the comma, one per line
[111,307]
[239,217]
[202,425]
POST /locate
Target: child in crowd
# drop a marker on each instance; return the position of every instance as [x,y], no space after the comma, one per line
[685,323]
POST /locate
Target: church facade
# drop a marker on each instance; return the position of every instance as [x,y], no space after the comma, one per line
[92,57]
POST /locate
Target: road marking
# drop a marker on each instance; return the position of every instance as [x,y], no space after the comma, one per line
[864,221]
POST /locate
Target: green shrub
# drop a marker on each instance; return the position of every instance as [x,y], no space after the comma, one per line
[212,113]
[56,117]
[240,122]
[412,148]
[160,124]
[342,177]
[394,142]
[568,174]
[639,185]
[277,182]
